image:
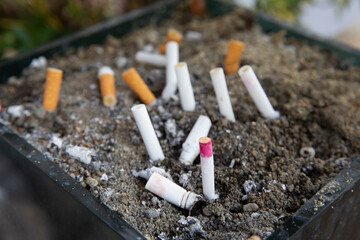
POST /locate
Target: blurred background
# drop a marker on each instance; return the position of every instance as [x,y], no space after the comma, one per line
[25,24]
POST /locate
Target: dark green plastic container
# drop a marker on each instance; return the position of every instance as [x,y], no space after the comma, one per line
[74,213]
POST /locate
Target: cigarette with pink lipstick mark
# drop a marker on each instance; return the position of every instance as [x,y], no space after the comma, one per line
[207,168]
[171,192]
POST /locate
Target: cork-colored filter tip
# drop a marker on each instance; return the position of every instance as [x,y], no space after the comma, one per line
[52,89]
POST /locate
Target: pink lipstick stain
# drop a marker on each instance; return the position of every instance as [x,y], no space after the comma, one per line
[206,149]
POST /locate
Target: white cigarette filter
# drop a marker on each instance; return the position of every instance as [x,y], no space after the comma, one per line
[186,93]
[190,148]
[147,132]
[207,168]
[257,93]
[222,94]
[151,58]
[172,58]
[171,192]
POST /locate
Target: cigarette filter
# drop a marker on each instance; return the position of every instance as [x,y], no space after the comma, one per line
[186,93]
[235,50]
[171,192]
[257,93]
[172,58]
[147,132]
[107,86]
[190,148]
[222,94]
[52,88]
[207,168]
[172,35]
[135,82]
[151,58]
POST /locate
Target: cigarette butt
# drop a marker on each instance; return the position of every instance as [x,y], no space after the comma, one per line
[198,7]
[107,86]
[172,35]
[147,132]
[235,49]
[207,168]
[52,88]
[257,92]
[135,82]
[171,192]
[190,148]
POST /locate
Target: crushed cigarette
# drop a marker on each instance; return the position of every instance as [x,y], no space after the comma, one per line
[15,111]
[82,154]
[39,62]
[147,132]
[146,173]
[233,56]
[172,35]
[186,92]
[56,141]
[135,82]
[172,58]
[107,86]
[171,192]
[193,36]
[52,89]
[222,94]
[190,148]
[257,93]
[150,58]
[207,168]
[307,152]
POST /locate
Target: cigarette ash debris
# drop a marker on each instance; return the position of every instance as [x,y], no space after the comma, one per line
[261,173]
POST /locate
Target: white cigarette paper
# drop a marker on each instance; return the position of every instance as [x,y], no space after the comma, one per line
[170,191]
[257,93]
[186,93]
[222,94]
[172,58]
[207,168]
[147,132]
[190,148]
[151,58]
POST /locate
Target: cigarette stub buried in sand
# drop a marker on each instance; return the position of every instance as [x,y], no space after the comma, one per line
[171,192]
[186,93]
[190,148]
[257,93]
[52,88]
[107,86]
[151,58]
[172,58]
[233,56]
[147,132]
[207,168]
[222,94]
[135,82]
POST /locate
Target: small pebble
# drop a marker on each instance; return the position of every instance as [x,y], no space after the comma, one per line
[254,237]
[92,182]
[251,207]
[104,177]
[152,213]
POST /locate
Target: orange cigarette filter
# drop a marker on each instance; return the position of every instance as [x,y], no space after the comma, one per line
[198,7]
[52,88]
[235,50]
[107,86]
[172,35]
[135,82]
